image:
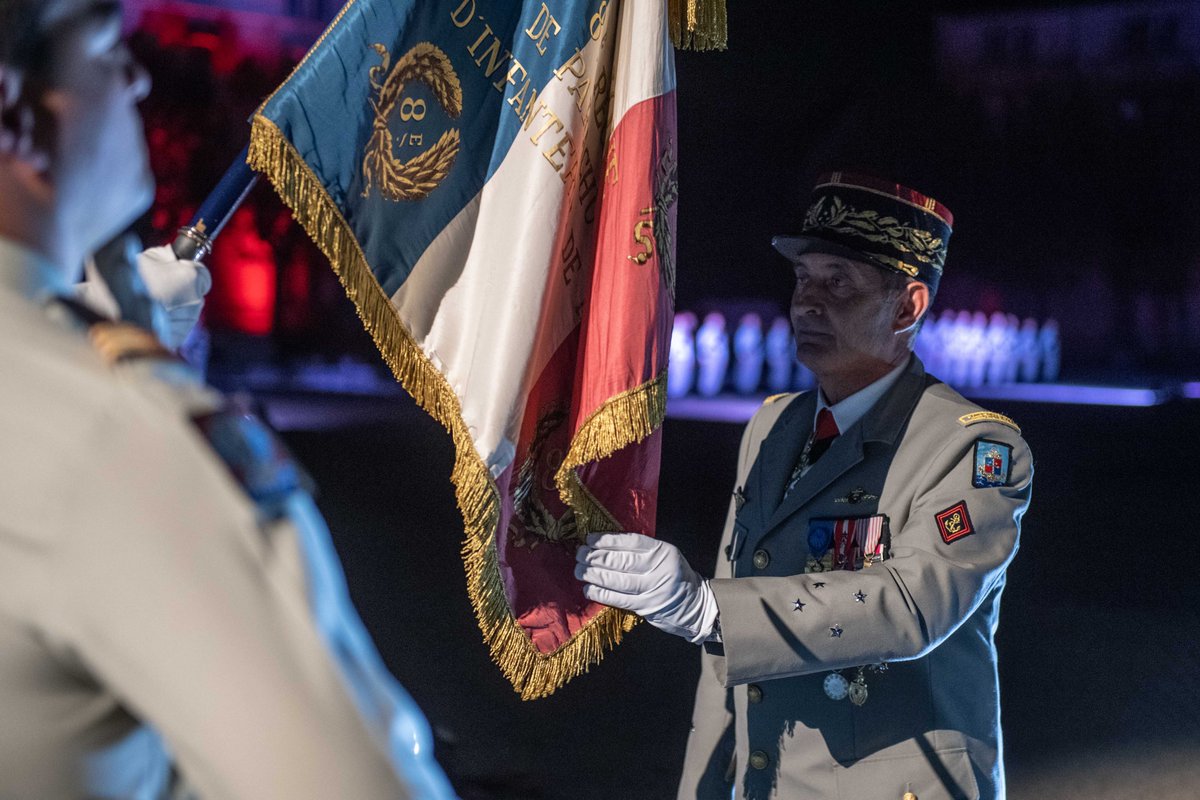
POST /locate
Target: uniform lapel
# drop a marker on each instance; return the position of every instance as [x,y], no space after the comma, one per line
[882,424]
[780,451]
[844,453]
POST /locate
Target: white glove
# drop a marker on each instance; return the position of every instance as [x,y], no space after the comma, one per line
[650,578]
[178,287]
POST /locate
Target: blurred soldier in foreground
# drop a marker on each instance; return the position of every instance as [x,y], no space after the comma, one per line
[848,632]
[164,576]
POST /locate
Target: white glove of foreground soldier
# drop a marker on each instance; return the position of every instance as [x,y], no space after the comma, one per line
[650,578]
[175,288]
[178,286]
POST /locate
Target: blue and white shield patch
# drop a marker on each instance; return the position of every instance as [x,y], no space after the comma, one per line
[993,464]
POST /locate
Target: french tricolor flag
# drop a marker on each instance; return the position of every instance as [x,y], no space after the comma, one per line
[494,181]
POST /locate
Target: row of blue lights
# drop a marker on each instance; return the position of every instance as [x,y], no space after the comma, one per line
[967,349]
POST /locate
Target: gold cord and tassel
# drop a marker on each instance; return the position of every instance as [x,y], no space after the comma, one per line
[698,24]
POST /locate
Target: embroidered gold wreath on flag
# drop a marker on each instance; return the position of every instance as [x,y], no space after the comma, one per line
[623,420]
[416,178]
[666,194]
[530,515]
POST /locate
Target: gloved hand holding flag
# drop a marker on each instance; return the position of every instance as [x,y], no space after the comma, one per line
[650,578]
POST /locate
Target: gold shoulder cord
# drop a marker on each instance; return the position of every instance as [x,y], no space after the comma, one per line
[967,420]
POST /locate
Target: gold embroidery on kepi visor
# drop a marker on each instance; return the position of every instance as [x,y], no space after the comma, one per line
[875,221]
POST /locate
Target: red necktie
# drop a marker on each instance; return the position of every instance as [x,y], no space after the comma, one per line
[826,425]
[823,436]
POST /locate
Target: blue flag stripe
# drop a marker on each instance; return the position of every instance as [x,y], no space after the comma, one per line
[503,55]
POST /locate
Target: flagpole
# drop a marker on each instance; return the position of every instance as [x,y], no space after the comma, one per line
[194,241]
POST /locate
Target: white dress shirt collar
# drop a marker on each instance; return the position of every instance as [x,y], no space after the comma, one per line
[851,409]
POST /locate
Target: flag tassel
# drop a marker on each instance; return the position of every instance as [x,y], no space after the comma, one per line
[698,24]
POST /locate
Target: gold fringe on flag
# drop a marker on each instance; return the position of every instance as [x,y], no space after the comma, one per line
[624,419]
[627,418]
[698,24]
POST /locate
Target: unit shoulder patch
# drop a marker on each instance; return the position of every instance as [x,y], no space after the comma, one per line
[955,523]
[967,420]
[992,465]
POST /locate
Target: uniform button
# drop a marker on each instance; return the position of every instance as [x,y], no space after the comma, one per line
[909,796]
[754,693]
[761,559]
[759,760]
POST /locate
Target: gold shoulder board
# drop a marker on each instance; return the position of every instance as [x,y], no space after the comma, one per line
[775,397]
[967,420]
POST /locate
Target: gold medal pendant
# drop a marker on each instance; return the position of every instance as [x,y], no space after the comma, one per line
[858,692]
[835,686]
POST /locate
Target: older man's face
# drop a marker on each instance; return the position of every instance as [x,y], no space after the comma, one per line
[843,314]
[99,165]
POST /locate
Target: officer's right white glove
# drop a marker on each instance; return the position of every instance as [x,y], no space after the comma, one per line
[178,287]
[650,578]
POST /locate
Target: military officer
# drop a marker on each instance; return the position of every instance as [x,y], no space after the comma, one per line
[848,631]
[168,591]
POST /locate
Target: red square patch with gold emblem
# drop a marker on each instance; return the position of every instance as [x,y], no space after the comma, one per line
[954,523]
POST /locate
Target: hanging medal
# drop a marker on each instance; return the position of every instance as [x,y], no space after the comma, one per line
[836,686]
[858,689]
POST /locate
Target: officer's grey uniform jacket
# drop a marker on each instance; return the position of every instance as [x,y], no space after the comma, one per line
[931,723]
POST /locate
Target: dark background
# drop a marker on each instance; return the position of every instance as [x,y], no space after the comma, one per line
[1072,183]
[1074,187]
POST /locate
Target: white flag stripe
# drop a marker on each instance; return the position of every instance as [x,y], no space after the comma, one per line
[644,32]
[477,300]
